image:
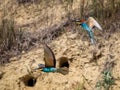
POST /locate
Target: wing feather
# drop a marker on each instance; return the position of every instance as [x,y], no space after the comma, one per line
[49,56]
[93,23]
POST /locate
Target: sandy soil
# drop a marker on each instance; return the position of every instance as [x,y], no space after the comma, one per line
[84,70]
[86,63]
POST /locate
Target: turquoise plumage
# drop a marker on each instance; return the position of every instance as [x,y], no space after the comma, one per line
[88,25]
[91,35]
[46,69]
[49,58]
[50,62]
[50,69]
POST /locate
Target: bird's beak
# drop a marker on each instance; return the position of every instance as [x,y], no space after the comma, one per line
[75,20]
[78,22]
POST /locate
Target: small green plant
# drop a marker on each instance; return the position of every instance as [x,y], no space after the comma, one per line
[107,79]
[81,86]
[106,82]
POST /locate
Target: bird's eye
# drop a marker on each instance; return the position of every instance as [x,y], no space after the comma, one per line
[41,66]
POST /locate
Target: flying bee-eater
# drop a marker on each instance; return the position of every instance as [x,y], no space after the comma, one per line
[88,25]
[50,62]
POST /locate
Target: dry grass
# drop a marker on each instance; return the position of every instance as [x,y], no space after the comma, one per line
[9,40]
[14,39]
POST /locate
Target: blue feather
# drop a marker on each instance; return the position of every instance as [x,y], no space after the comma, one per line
[91,35]
[50,69]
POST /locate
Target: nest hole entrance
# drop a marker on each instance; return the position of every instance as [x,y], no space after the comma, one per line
[63,62]
[63,65]
[29,80]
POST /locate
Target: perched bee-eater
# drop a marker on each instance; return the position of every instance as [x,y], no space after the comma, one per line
[88,25]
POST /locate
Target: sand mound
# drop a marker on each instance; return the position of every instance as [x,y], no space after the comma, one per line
[85,67]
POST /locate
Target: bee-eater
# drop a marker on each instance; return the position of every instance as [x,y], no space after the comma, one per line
[88,25]
[50,62]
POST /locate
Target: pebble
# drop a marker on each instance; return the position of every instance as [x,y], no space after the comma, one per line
[1,74]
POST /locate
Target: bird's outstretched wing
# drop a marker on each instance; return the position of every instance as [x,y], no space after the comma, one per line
[49,56]
[93,23]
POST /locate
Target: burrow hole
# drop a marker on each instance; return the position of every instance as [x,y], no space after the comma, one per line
[29,80]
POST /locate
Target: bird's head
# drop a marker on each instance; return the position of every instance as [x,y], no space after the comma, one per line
[41,66]
[79,22]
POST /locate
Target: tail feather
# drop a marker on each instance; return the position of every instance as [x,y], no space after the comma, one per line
[63,65]
[91,35]
[63,70]
[93,41]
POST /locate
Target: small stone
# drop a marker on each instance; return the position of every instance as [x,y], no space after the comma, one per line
[84,56]
[86,43]
[23,52]
[13,59]
[1,74]
[73,36]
